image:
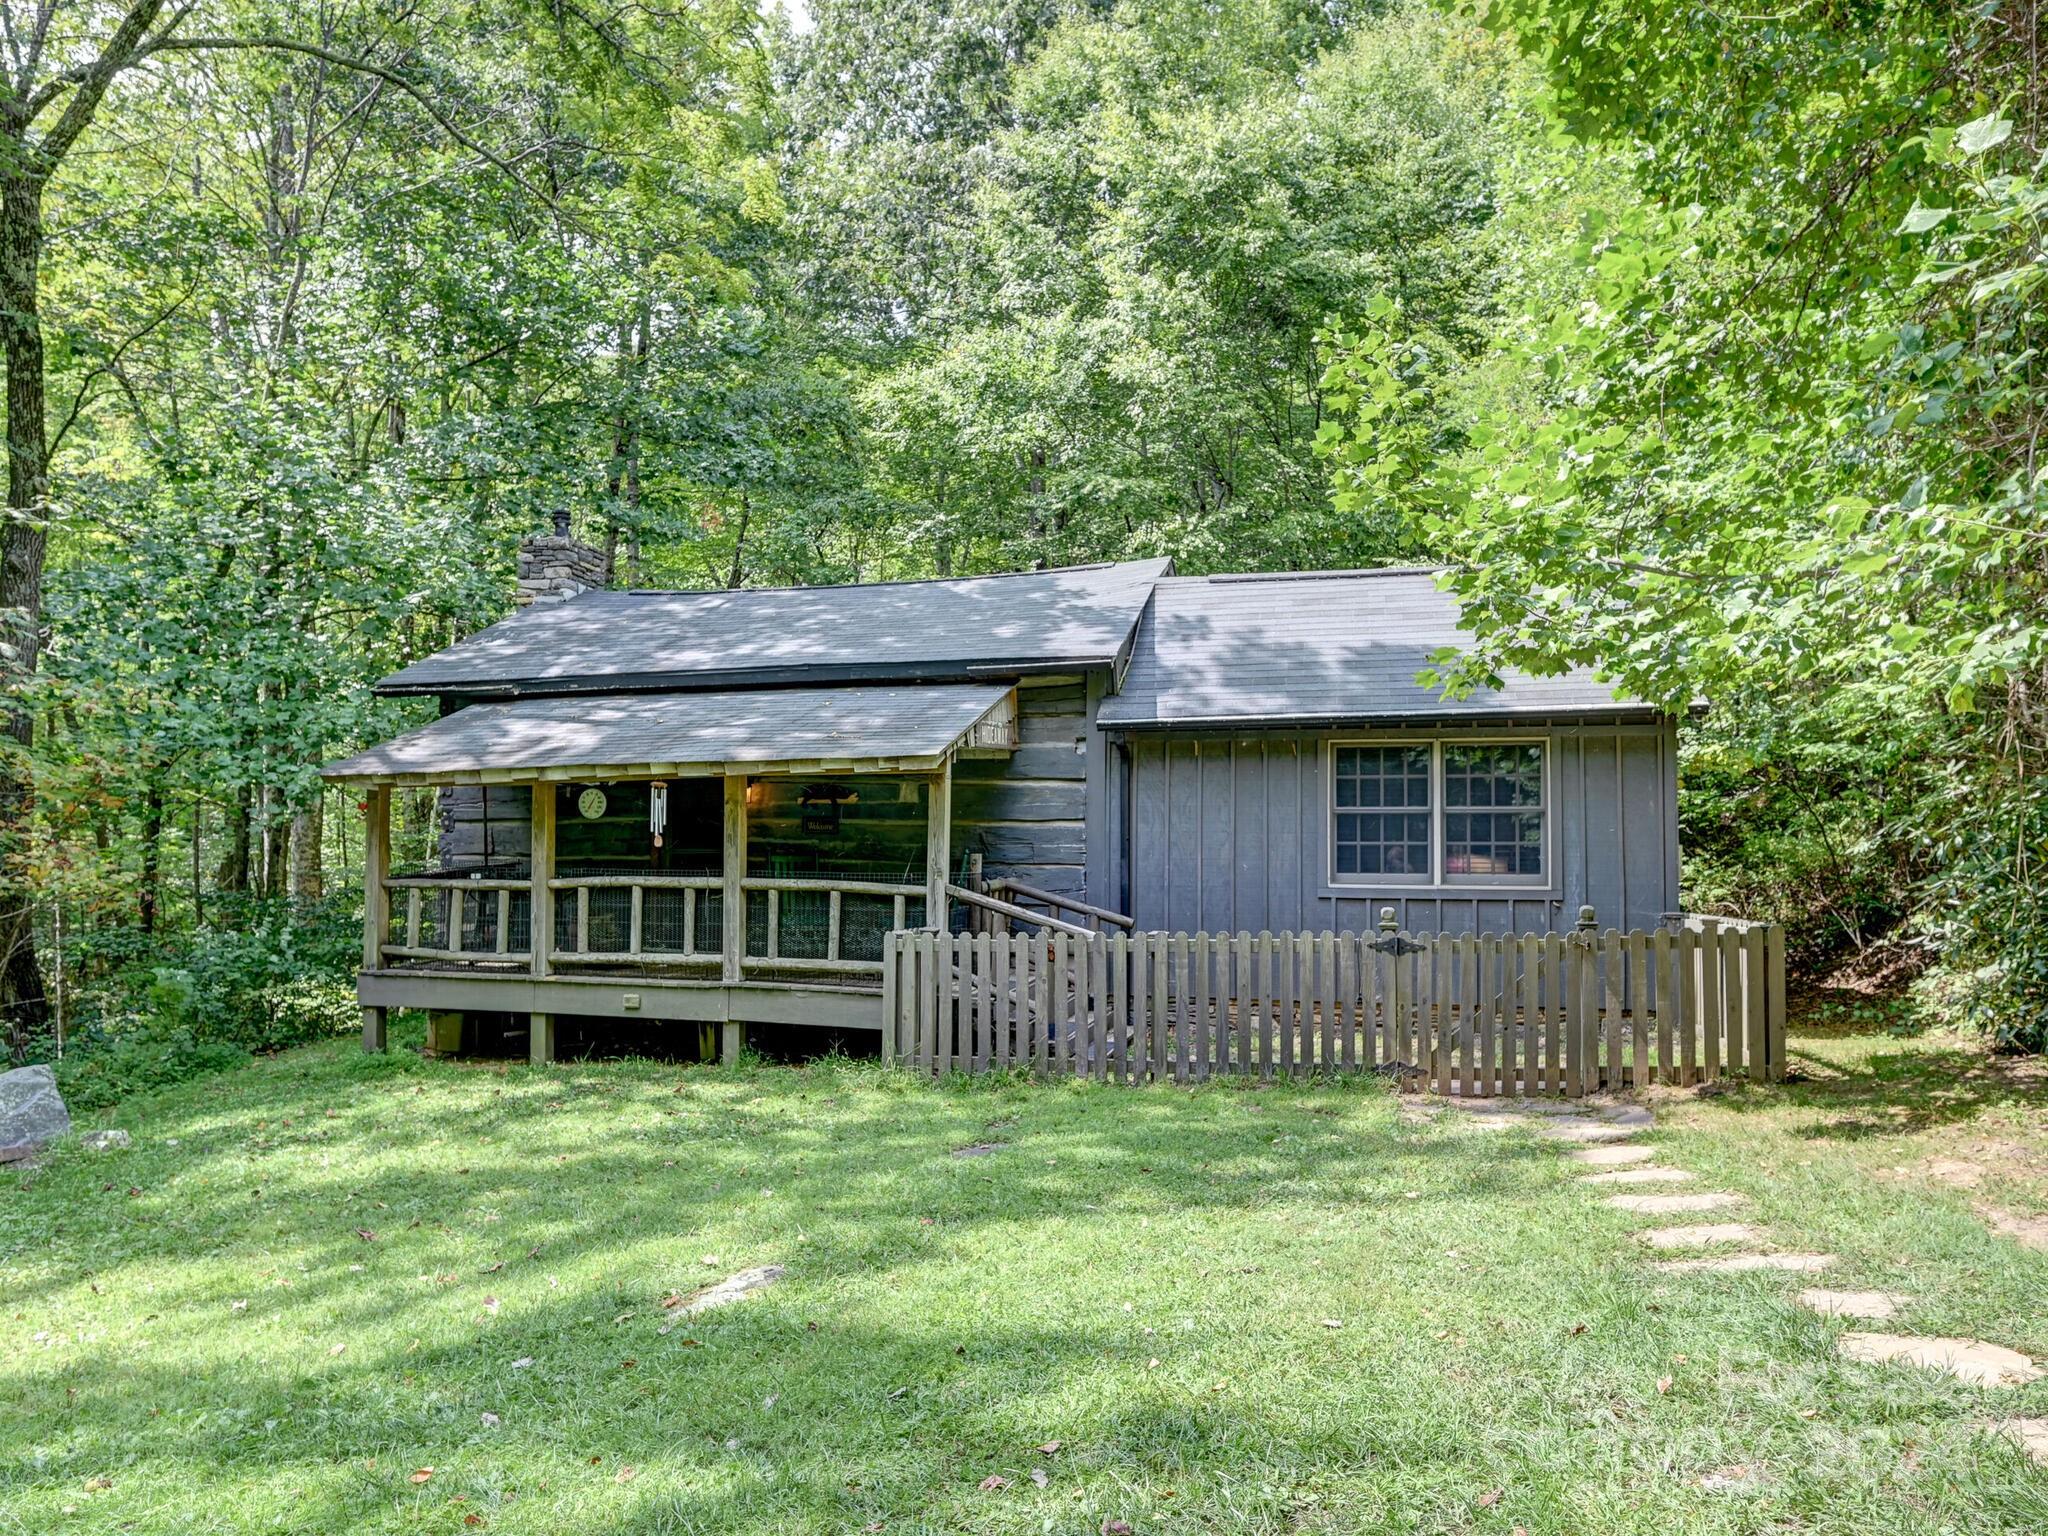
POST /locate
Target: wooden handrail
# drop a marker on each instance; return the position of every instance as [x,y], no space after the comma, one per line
[1065,903]
[1013,911]
[443,882]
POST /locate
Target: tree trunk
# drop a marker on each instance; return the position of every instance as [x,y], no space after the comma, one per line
[233,874]
[22,1004]
[152,857]
[307,873]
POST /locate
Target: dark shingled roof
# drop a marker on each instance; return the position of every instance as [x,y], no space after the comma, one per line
[1036,621]
[657,733]
[1318,647]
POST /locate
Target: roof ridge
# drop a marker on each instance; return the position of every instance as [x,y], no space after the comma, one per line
[863,586]
[1230,577]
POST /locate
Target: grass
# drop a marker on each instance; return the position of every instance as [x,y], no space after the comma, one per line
[311,1280]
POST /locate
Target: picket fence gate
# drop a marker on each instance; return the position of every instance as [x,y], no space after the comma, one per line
[1480,1015]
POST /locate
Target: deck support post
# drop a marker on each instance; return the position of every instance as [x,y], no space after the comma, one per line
[376,900]
[734,898]
[938,846]
[540,1039]
[729,1044]
[540,903]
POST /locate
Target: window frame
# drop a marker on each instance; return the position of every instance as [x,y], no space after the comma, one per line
[1438,879]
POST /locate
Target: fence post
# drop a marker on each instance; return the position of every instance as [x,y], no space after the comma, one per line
[1386,962]
[1581,1032]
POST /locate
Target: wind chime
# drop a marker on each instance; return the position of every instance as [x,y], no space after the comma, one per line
[657,809]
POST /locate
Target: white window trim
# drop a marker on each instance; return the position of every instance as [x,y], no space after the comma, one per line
[1437,880]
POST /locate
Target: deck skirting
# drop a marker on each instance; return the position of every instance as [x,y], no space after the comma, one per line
[621,997]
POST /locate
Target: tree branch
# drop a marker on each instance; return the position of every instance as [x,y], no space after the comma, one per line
[360,66]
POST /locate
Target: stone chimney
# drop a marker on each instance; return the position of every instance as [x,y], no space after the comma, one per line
[554,567]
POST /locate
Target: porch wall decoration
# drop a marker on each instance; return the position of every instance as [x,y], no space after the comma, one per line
[657,809]
[818,808]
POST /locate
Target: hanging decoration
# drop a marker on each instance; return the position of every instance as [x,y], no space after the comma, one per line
[818,807]
[657,809]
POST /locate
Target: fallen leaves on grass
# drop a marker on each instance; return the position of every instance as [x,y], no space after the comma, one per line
[421,1475]
[994,1483]
[625,1474]
[1489,1498]
[1663,1385]
[1050,1448]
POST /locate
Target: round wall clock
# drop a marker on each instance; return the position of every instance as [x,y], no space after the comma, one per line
[590,804]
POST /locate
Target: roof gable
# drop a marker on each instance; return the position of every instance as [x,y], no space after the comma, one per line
[1034,621]
[1318,647]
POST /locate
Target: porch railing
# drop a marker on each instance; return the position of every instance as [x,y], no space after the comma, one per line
[459,919]
[674,922]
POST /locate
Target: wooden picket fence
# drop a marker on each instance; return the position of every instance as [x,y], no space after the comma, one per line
[1477,1015]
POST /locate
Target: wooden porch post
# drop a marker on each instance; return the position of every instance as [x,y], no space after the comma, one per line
[376,901]
[734,897]
[540,906]
[938,846]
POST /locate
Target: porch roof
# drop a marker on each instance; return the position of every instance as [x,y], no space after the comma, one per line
[896,728]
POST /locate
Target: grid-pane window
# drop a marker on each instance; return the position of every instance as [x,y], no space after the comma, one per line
[1383,811]
[1493,811]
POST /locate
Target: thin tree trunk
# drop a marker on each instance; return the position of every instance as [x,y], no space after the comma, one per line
[307,827]
[22,1004]
[151,893]
[739,545]
[233,874]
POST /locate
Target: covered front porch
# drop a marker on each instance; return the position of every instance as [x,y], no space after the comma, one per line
[700,859]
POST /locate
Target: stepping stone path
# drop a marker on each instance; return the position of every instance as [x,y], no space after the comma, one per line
[1745,1263]
[1872,1306]
[1981,1364]
[1708,1236]
[1674,1205]
[1612,1157]
[1638,1176]
[1601,1133]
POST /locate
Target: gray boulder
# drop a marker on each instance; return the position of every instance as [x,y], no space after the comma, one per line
[32,1112]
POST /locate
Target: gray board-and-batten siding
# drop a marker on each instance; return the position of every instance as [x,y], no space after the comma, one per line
[1231,832]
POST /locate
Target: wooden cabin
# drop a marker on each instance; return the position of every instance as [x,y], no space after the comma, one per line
[708,807]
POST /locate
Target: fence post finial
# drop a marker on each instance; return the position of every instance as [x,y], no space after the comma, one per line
[1588,923]
[1387,923]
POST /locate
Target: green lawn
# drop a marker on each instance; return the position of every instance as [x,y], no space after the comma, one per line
[313,1279]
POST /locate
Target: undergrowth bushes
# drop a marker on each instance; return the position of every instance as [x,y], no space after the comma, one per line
[259,976]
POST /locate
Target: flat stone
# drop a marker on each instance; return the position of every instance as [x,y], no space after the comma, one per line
[104,1141]
[1673,1205]
[1745,1263]
[2032,1435]
[1638,1176]
[32,1112]
[1612,1157]
[1874,1305]
[1971,1360]
[1627,1114]
[728,1290]
[1700,1237]
[978,1149]
[1581,1129]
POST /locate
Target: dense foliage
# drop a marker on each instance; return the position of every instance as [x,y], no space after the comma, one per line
[1700,344]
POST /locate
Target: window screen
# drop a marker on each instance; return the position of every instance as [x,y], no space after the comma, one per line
[1382,803]
[1493,811]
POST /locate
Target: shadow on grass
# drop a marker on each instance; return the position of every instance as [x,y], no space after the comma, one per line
[1891,1093]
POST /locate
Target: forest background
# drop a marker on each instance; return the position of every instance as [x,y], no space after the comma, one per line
[1698,346]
